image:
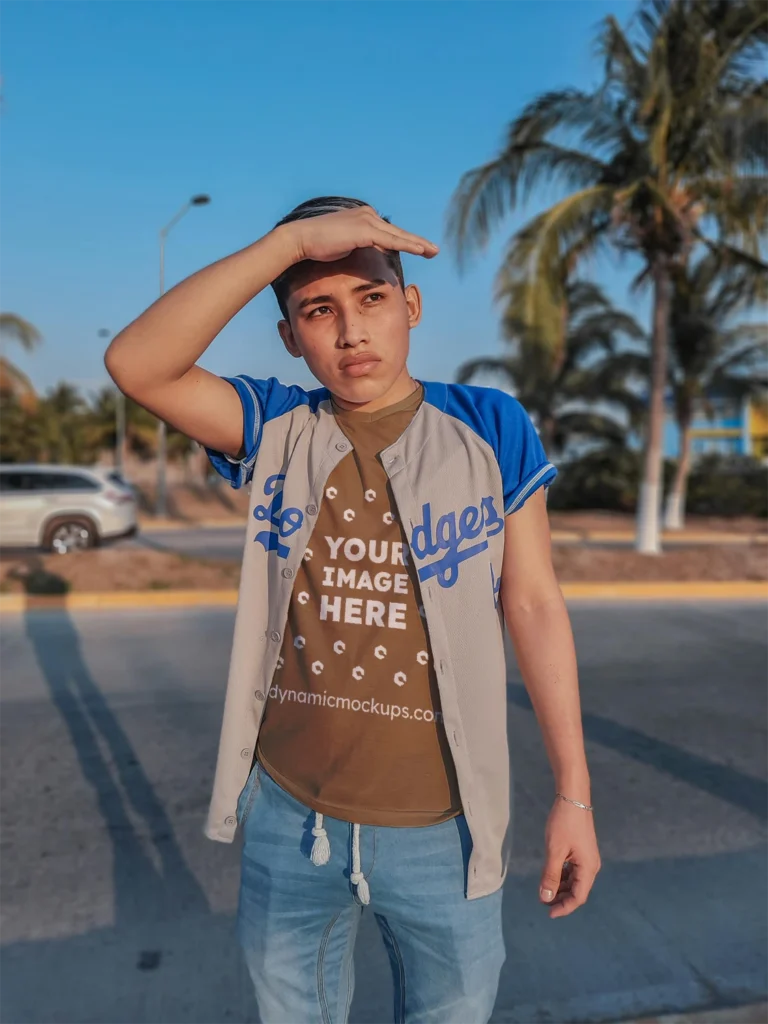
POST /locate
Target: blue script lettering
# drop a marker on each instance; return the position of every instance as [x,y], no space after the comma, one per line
[285,521]
[496,584]
[450,533]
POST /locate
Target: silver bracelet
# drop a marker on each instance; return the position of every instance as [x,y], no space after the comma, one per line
[586,807]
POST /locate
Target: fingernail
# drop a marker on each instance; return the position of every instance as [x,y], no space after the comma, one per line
[547,894]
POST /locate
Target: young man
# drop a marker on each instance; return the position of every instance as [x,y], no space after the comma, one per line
[394,525]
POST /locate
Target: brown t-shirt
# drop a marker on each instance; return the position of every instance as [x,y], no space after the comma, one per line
[352,727]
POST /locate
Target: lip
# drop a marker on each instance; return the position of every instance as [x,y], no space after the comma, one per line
[356,366]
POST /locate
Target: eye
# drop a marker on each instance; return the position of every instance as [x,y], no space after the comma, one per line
[318,309]
[375,295]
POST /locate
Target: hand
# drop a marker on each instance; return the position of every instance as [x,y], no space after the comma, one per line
[572,861]
[332,236]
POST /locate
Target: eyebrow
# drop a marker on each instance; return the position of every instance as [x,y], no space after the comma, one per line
[368,286]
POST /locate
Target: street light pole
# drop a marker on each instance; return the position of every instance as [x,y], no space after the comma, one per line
[161,502]
[119,418]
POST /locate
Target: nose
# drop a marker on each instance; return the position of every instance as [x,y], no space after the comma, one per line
[352,330]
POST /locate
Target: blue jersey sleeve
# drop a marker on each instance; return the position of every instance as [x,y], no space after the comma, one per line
[522,460]
[505,425]
[262,401]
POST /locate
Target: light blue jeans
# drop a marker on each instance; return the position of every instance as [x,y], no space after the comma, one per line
[297,923]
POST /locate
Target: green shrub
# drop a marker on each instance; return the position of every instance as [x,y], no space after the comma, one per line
[608,479]
[605,478]
[728,486]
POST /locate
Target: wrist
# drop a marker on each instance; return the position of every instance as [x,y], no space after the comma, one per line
[287,241]
[577,786]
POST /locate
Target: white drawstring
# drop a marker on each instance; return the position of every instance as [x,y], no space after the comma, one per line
[321,854]
[321,848]
[357,877]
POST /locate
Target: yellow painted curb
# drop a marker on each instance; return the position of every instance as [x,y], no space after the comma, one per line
[668,590]
[738,590]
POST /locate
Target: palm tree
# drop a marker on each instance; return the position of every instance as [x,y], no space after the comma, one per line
[712,352]
[669,151]
[12,380]
[140,425]
[62,429]
[578,390]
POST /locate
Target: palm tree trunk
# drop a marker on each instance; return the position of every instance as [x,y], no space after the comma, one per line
[649,504]
[547,433]
[674,516]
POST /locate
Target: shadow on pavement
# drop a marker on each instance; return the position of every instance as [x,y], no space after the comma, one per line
[102,975]
[661,933]
[738,789]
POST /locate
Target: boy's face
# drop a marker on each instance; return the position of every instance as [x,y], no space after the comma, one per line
[350,320]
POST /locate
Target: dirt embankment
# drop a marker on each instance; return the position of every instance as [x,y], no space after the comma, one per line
[109,569]
[602,565]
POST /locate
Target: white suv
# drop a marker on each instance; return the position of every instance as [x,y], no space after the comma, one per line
[63,508]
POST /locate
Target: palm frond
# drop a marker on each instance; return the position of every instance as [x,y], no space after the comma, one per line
[496,367]
[533,266]
[622,67]
[14,382]
[20,330]
[487,193]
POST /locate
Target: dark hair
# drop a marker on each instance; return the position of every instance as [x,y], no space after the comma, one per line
[316,208]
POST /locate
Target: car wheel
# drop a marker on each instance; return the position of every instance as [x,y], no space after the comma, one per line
[67,534]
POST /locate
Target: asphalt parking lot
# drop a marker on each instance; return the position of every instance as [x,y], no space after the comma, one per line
[116,908]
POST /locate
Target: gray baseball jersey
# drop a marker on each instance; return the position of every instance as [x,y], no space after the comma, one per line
[469,458]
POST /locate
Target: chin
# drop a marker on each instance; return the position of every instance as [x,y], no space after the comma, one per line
[363,389]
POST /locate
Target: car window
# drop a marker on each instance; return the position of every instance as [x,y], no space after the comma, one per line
[64,482]
[12,482]
[20,482]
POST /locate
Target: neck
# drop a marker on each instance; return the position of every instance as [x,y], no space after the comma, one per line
[400,389]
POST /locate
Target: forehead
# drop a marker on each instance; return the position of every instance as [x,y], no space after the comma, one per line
[360,267]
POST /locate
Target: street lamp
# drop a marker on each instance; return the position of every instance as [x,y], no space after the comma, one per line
[119,418]
[161,504]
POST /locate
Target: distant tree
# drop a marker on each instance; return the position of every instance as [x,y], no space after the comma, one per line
[62,424]
[668,151]
[12,381]
[580,388]
[713,352]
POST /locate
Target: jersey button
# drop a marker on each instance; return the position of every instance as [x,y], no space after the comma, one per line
[288,574]
[342,446]
[274,635]
[311,510]
[230,820]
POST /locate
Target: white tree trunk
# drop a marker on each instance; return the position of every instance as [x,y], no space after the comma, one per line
[648,541]
[674,514]
[674,517]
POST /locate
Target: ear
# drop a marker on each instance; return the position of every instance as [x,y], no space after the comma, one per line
[286,333]
[413,302]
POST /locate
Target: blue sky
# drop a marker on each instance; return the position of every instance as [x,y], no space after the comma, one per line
[113,114]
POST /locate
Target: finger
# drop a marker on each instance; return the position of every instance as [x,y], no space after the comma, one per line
[581,885]
[564,907]
[580,888]
[552,876]
[403,241]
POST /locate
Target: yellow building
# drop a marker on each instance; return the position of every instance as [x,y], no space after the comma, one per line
[724,426]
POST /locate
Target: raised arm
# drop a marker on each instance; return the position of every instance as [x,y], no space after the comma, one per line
[153,360]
